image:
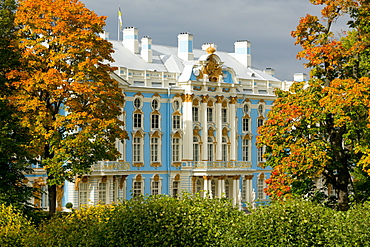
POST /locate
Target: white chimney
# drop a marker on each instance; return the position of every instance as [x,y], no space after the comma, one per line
[130,39]
[206,45]
[185,46]
[269,71]
[300,77]
[146,49]
[104,35]
[243,52]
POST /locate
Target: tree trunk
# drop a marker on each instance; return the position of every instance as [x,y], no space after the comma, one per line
[342,188]
[52,190]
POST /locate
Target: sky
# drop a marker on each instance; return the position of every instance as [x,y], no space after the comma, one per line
[267,24]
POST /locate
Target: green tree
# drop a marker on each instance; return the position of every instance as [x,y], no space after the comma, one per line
[320,129]
[14,155]
[64,91]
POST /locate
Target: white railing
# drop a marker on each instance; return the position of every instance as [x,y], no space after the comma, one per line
[110,166]
[217,165]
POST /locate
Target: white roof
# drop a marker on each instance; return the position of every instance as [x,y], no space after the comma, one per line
[165,59]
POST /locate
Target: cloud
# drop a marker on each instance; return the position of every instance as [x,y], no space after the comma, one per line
[266,23]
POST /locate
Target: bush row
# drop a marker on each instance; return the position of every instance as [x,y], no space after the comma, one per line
[191,221]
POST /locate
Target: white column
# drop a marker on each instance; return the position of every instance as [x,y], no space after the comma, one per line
[236,186]
[206,185]
[188,128]
[221,186]
[233,129]
[248,191]
[203,121]
[219,128]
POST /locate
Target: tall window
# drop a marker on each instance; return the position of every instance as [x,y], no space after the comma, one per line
[224,149]
[259,122]
[138,120]
[245,124]
[154,149]
[137,188]
[210,149]
[210,114]
[115,190]
[260,187]
[155,121]
[175,188]
[224,115]
[102,193]
[137,149]
[196,153]
[44,197]
[198,186]
[176,122]
[227,189]
[213,188]
[83,193]
[176,149]
[246,147]
[195,112]
[260,154]
[155,187]
[244,189]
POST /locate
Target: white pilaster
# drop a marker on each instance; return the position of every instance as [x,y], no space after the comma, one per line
[203,121]
[188,128]
[236,186]
[219,128]
[233,128]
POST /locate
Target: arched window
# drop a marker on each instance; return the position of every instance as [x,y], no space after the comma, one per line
[137,186]
[155,185]
[175,188]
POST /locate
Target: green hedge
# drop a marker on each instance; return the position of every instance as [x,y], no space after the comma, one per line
[191,221]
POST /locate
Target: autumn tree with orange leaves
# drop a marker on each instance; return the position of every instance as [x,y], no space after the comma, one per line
[64,90]
[320,129]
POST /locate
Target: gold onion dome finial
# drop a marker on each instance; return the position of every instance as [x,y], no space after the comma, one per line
[211,50]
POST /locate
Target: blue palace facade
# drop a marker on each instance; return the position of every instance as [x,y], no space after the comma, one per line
[191,116]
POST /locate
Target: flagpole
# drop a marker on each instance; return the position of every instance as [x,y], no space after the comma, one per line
[119,21]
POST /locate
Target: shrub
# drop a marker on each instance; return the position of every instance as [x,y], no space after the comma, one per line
[13,226]
[290,223]
[84,227]
[166,221]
